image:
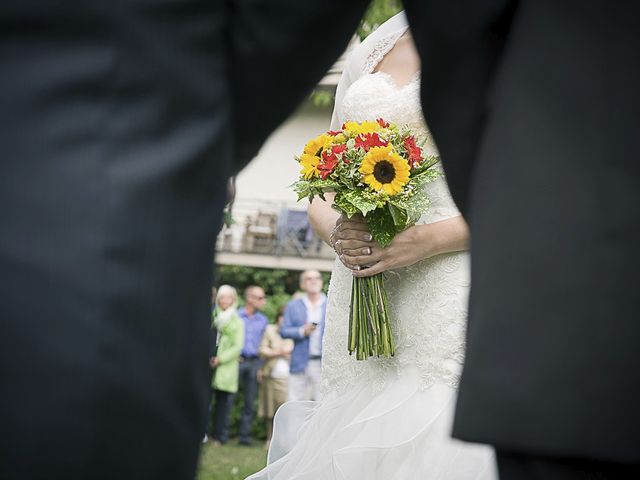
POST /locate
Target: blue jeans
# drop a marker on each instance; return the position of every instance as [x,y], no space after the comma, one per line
[249,384]
[221,413]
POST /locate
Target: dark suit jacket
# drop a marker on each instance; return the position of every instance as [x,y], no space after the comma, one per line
[118,125]
[535,107]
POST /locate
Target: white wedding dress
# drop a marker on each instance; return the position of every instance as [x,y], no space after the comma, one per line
[385,419]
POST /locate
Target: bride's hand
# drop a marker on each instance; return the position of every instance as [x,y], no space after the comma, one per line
[407,248]
[412,245]
[351,239]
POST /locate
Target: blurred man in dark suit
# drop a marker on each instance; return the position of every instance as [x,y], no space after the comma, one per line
[535,107]
[119,125]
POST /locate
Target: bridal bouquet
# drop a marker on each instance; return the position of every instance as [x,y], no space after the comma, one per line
[375,169]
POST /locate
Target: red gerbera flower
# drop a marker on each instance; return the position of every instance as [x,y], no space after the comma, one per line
[368,140]
[413,151]
[329,160]
[338,149]
[382,123]
[333,133]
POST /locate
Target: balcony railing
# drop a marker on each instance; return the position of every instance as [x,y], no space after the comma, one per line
[274,229]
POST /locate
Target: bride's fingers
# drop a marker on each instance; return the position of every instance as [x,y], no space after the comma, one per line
[372,270]
[347,264]
[352,234]
[363,256]
[352,229]
[353,247]
[353,225]
[358,249]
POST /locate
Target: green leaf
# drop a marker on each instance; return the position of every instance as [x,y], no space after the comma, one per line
[414,206]
[381,226]
[425,165]
[344,206]
[356,198]
[313,188]
[399,216]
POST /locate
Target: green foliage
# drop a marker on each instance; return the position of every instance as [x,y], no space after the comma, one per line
[360,202]
[230,462]
[322,98]
[381,225]
[341,204]
[276,283]
[411,210]
[306,189]
[378,12]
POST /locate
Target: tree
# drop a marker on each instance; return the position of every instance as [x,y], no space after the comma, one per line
[378,12]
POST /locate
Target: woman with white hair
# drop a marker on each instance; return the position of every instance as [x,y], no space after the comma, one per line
[230,339]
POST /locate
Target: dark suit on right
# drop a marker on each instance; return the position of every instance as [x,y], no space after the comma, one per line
[535,107]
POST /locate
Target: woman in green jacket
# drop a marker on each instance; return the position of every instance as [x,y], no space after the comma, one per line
[225,364]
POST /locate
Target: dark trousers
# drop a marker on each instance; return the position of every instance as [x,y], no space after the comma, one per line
[514,466]
[221,413]
[249,384]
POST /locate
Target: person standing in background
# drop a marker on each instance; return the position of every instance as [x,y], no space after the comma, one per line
[274,387]
[225,363]
[255,324]
[304,323]
[213,349]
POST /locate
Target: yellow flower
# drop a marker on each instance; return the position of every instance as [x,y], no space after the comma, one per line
[354,128]
[309,165]
[312,155]
[339,139]
[314,147]
[384,169]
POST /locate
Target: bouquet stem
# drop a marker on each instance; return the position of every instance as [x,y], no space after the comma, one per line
[369,321]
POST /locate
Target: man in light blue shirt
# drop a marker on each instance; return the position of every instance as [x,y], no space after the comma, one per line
[304,323]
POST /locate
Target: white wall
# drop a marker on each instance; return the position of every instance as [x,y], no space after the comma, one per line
[268,176]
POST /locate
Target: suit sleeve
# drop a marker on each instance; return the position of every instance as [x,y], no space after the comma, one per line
[460,44]
[280,50]
[289,327]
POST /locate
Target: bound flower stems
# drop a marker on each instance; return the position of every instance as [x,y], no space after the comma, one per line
[369,322]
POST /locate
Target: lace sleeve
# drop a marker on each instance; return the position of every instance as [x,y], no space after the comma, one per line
[378,52]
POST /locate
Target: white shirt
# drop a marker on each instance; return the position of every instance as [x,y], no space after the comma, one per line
[314,315]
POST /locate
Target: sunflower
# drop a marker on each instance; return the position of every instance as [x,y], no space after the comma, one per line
[354,128]
[384,169]
[309,165]
[317,145]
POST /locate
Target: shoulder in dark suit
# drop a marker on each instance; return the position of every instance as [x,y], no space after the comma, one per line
[534,106]
[120,123]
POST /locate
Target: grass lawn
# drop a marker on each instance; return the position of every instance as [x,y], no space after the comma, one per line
[231,461]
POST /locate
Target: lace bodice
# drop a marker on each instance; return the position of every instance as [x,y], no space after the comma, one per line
[427,300]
